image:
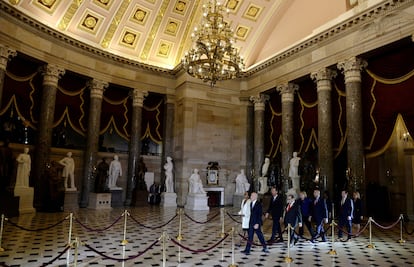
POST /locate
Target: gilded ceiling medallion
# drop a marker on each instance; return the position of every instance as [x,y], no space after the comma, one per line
[129,38]
[172,27]
[180,6]
[90,22]
[252,12]
[47,5]
[140,15]
[103,3]
[242,32]
[233,5]
[164,48]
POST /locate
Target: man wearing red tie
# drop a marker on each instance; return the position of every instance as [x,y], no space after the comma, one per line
[255,224]
[293,216]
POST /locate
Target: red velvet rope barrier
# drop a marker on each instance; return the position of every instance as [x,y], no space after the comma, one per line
[231,217]
[120,259]
[200,250]
[386,227]
[98,229]
[35,230]
[355,234]
[55,258]
[153,227]
[208,220]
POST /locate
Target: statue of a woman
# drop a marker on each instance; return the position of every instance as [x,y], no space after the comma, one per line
[23,169]
[169,183]
[195,184]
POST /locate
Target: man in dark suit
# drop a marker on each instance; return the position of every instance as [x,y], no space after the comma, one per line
[276,210]
[319,214]
[255,224]
[293,216]
[346,210]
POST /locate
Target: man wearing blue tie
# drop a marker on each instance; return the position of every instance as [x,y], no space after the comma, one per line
[255,224]
[319,214]
[346,210]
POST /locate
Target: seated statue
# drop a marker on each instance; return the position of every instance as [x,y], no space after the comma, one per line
[195,184]
[242,184]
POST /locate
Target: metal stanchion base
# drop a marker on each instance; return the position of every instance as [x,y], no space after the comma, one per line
[124,242]
[372,246]
[179,237]
[288,259]
[233,265]
[222,235]
[401,241]
[332,252]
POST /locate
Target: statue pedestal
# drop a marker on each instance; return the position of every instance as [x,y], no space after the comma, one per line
[197,202]
[71,200]
[99,201]
[237,200]
[296,183]
[168,199]
[116,197]
[26,199]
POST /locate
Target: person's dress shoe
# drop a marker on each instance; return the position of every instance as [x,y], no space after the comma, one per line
[245,252]
[295,241]
[265,250]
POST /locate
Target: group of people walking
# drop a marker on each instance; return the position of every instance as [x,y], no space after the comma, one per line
[298,212]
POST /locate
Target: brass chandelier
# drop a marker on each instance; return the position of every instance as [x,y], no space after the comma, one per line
[213,57]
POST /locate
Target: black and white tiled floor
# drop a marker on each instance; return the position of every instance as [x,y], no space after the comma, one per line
[34,248]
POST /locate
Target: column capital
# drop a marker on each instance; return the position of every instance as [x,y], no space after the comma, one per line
[352,68]
[51,74]
[323,79]
[5,54]
[259,101]
[287,91]
[138,97]
[169,99]
[97,88]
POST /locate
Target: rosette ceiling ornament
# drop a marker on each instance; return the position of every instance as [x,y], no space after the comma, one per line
[213,57]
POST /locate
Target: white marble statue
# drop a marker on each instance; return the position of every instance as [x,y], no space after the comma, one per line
[263,188]
[24,163]
[195,184]
[293,171]
[242,184]
[294,165]
[169,183]
[115,171]
[68,171]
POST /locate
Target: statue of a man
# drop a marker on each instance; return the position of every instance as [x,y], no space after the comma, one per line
[115,171]
[242,184]
[263,178]
[24,163]
[102,171]
[68,171]
[294,165]
[195,184]
[169,183]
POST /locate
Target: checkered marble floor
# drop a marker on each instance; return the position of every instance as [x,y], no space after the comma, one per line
[35,248]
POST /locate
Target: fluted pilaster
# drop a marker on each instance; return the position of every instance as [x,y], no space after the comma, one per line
[287,92]
[323,79]
[351,69]
[97,88]
[135,141]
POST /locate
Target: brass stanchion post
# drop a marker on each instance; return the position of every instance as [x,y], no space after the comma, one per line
[125,214]
[233,264]
[332,251]
[401,240]
[1,232]
[370,245]
[69,238]
[179,236]
[222,234]
[76,245]
[164,248]
[288,259]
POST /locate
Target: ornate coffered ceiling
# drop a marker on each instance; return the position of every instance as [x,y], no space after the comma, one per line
[154,32]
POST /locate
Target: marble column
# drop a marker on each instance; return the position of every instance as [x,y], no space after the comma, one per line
[249,136]
[259,109]
[135,141]
[5,54]
[97,88]
[51,74]
[168,133]
[323,79]
[351,69]
[287,92]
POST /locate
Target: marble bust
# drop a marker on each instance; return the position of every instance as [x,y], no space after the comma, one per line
[115,171]
[68,171]
[242,184]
